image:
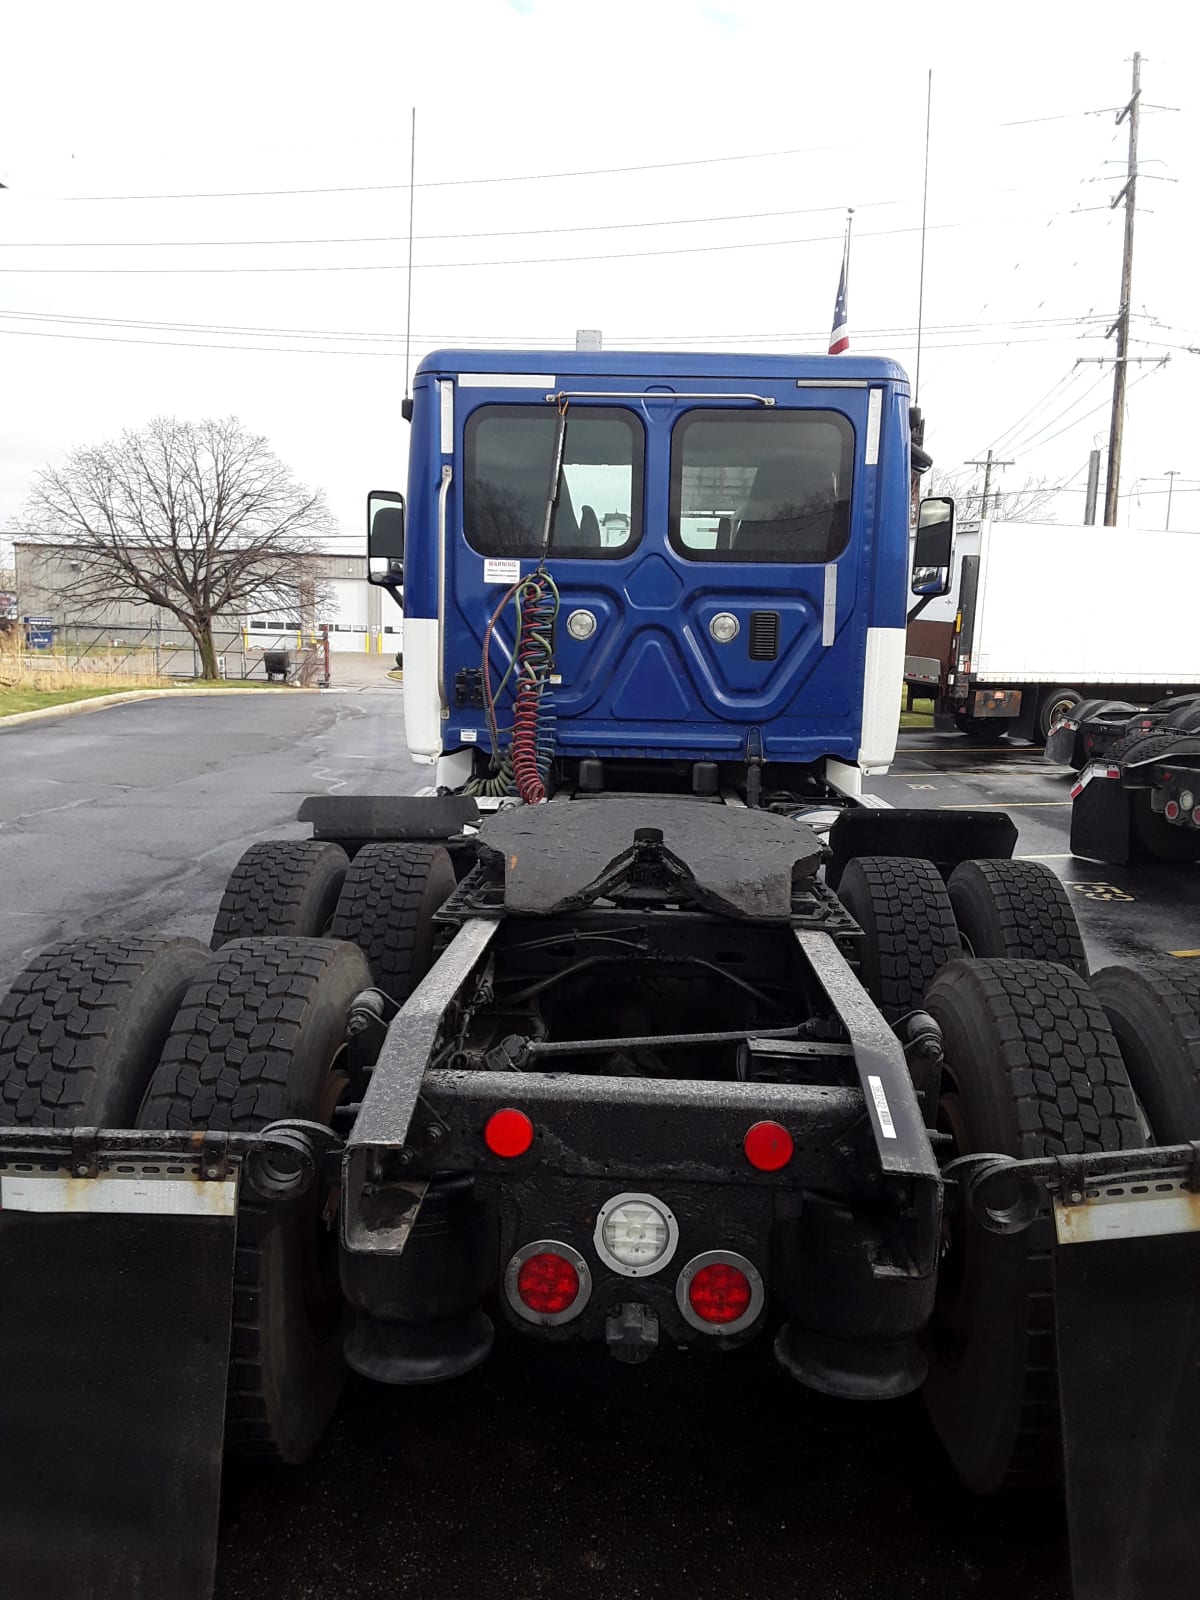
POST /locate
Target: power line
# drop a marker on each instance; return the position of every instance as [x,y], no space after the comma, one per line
[1040,442]
[1028,440]
[497,233]
[520,340]
[524,261]
[524,177]
[459,183]
[1070,376]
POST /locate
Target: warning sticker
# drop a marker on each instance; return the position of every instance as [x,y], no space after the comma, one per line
[469,736]
[496,570]
[882,1107]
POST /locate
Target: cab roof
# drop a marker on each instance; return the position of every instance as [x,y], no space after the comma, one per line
[665,364]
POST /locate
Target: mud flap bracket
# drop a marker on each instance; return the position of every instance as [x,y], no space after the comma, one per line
[1127,1310]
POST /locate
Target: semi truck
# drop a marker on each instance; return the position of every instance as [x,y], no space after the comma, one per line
[643,1026]
[1042,617]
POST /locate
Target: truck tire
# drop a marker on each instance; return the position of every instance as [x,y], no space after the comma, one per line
[1054,705]
[82,1027]
[256,1039]
[1007,909]
[281,888]
[1154,1011]
[908,924]
[979,727]
[1031,1069]
[386,908]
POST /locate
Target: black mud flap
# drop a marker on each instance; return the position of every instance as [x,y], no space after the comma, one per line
[115,1306]
[1100,815]
[1128,1315]
[363,819]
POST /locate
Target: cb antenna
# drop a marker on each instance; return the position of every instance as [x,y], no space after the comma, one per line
[406,405]
[924,213]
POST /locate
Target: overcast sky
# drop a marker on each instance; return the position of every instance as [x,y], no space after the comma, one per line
[750,125]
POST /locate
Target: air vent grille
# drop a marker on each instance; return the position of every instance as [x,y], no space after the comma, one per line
[764,635]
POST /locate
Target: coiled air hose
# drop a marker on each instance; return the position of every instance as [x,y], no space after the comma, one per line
[524,767]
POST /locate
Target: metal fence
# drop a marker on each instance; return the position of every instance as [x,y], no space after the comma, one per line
[52,644]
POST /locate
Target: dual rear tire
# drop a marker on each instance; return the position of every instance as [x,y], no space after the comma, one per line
[914,923]
[156,1033]
[383,901]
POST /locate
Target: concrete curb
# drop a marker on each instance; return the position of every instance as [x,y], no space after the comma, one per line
[100,702]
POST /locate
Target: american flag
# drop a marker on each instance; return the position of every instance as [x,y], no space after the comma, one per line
[839,339]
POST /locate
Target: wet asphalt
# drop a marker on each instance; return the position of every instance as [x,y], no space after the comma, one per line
[549,1472]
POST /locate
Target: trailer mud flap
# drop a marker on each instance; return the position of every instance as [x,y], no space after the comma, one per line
[115,1307]
[1100,815]
[1128,1315]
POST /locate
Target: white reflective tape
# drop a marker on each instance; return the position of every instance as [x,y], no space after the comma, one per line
[446,391]
[506,380]
[886,1124]
[1161,1208]
[829,613]
[874,413]
[181,1197]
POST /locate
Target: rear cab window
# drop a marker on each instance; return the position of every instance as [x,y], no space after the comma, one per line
[508,458]
[761,486]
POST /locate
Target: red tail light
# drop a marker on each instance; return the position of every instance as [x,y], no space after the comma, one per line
[720,1292]
[548,1284]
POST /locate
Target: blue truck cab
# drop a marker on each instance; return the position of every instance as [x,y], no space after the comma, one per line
[729,549]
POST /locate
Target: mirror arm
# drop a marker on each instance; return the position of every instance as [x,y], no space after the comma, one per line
[920,606]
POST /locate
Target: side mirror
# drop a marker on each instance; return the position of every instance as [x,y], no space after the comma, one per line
[385,538]
[933,548]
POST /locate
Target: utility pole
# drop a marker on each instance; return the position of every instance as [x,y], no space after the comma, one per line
[1171,476]
[987,478]
[1129,195]
[1093,485]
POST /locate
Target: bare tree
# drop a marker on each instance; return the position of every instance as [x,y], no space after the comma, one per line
[200,518]
[1022,504]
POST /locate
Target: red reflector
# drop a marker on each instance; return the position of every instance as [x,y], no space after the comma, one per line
[508,1132]
[719,1293]
[548,1283]
[768,1146]
[1172,810]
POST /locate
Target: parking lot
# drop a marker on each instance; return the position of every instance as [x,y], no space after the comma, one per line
[548,1471]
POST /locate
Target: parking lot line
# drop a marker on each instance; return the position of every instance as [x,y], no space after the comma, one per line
[1183,952]
[1003,805]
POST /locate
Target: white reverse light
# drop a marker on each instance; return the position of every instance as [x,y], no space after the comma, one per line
[724,627]
[635,1234]
[1187,799]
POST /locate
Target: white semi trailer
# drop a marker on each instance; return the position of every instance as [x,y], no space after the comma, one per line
[1047,615]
